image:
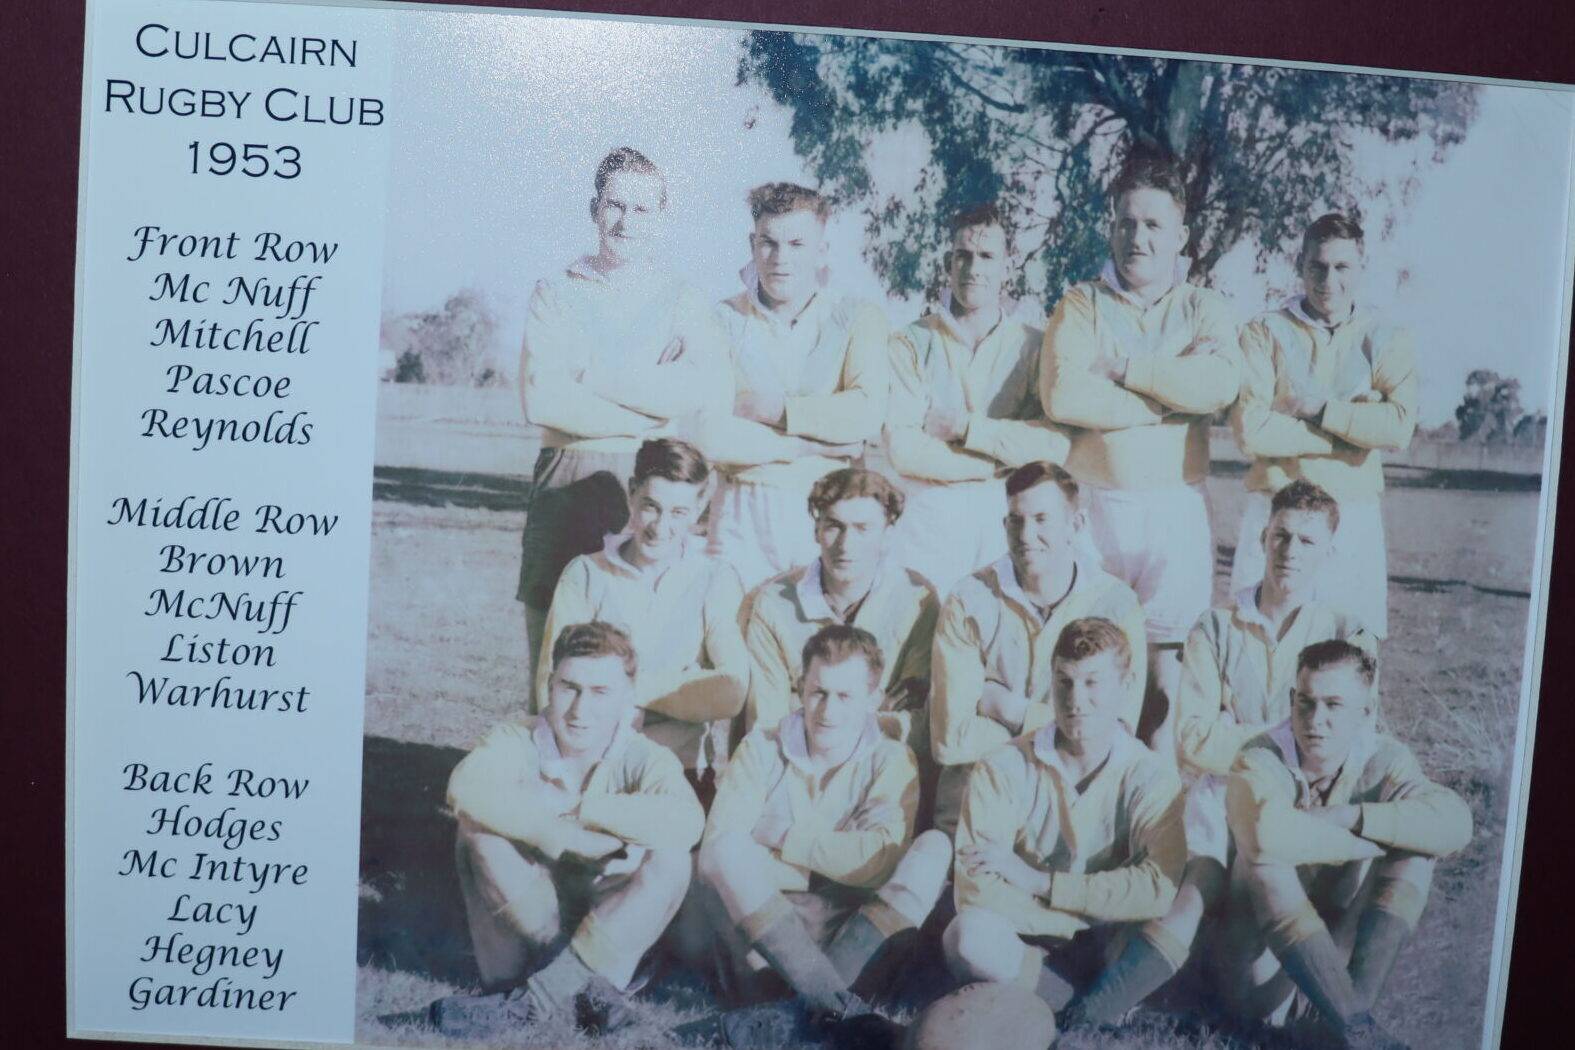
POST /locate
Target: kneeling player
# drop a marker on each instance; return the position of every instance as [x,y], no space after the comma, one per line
[992,657]
[678,606]
[854,581]
[573,828]
[1070,846]
[807,865]
[1337,830]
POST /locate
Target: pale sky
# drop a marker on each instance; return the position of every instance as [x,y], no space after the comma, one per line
[498,122]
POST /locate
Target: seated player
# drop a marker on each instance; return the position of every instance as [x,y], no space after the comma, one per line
[1337,830]
[965,404]
[1328,385]
[1070,845]
[616,349]
[856,581]
[573,850]
[1138,361]
[808,868]
[678,607]
[809,377]
[992,654]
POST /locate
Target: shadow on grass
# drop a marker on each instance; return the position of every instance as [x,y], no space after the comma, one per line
[412,917]
[1404,477]
[1225,557]
[449,488]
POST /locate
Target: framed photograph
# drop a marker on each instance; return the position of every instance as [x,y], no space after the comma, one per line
[611,531]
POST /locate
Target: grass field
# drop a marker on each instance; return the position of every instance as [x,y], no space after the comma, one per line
[445,656]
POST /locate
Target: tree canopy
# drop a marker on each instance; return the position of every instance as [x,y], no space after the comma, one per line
[1265,149]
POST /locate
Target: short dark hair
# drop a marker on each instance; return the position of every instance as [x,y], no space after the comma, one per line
[1336,651]
[837,642]
[988,213]
[1091,636]
[596,638]
[1028,475]
[1304,495]
[1149,167]
[853,483]
[670,459]
[1331,227]
[779,198]
[627,158]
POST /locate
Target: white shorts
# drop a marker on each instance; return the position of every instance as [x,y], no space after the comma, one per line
[949,532]
[760,530]
[1356,579]
[1203,818]
[1158,542]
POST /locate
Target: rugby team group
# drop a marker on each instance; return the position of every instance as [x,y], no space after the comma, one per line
[852,649]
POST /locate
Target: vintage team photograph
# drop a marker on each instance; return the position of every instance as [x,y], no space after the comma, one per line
[918,543]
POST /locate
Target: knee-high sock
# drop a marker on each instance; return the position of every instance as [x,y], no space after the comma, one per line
[1134,975]
[1046,983]
[779,936]
[876,931]
[551,989]
[1318,970]
[1379,936]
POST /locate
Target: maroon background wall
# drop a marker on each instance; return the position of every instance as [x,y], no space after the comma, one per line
[40,63]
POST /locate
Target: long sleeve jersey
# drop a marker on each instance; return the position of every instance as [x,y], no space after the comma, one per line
[1115,851]
[1364,368]
[608,358]
[850,825]
[994,386]
[784,612]
[830,365]
[637,792]
[1151,430]
[693,668]
[1267,798]
[990,631]
[1237,676]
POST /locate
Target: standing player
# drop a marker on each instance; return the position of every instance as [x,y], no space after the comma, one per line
[853,581]
[1327,386]
[1070,846]
[573,851]
[993,649]
[1337,831]
[964,404]
[1139,361]
[809,868]
[810,376]
[615,349]
[678,607]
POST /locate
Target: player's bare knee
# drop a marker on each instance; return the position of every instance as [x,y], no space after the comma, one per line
[977,944]
[724,859]
[668,869]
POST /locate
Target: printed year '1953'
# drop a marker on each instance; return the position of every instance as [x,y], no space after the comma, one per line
[253,159]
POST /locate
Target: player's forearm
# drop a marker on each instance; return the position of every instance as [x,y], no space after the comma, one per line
[1131,894]
[915,454]
[1013,442]
[1196,385]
